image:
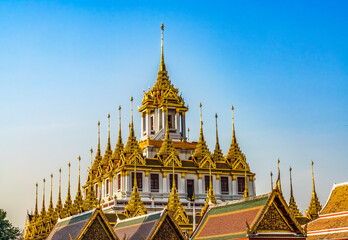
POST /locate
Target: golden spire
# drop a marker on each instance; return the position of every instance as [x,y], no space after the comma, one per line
[246,191]
[119,145]
[78,198]
[201,137]
[202,154]
[98,156]
[108,152]
[50,210]
[280,185]
[135,206]
[217,156]
[91,150]
[167,152]
[162,64]
[59,205]
[108,147]
[210,194]
[314,206]
[43,209]
[292,203]
[175,206]
[234,140]
[132,150]
[36,212]
[234,152]
[188,134]
[98,150]
[90,201]
[271,181]
[68,201]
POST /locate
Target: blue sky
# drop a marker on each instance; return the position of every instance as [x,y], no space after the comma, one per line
[64,65]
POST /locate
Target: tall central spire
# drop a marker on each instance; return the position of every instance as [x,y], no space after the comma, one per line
[162,64]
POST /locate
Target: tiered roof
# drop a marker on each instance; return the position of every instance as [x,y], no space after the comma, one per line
[163,93]
[333,219]
[262,216]
[88,225]
[157,225]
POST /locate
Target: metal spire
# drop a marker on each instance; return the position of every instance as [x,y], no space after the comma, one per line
[43,209]
[36,212]
[91,150]
[271,181]
[98,150]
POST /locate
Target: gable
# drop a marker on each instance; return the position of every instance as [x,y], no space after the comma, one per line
[167,230]
[276,217]
[97,230]
[229,221]
[273,220]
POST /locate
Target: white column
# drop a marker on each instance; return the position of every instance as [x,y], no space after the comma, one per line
[142,125]
[165,187]
[148,123]
[183,126]
[177,122]
[254,190]
[164,121]
[234,187]
[181,183]
[216,185]
[146,183]
[200,186]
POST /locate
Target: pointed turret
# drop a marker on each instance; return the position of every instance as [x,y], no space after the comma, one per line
[163,92]
[271,181]
[132,151]
[78,202]
[43,208]
[246,191]
[280,184]
[175,206]
[108,152]
[292,203]
[167,154]
[36,212]
[135,205]
[210,194]
[68,202]
[202,154]
[217,156]
[90,201]
[119,145]
[235,156]
[314,206]
[59,205]
[98,156]
[50,209]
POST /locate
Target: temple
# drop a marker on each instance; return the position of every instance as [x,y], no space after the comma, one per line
[163,143]
[168,185]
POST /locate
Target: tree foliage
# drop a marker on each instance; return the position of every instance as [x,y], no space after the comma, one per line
[7,231]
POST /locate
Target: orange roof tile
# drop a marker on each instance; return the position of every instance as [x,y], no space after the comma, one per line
[338,200]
